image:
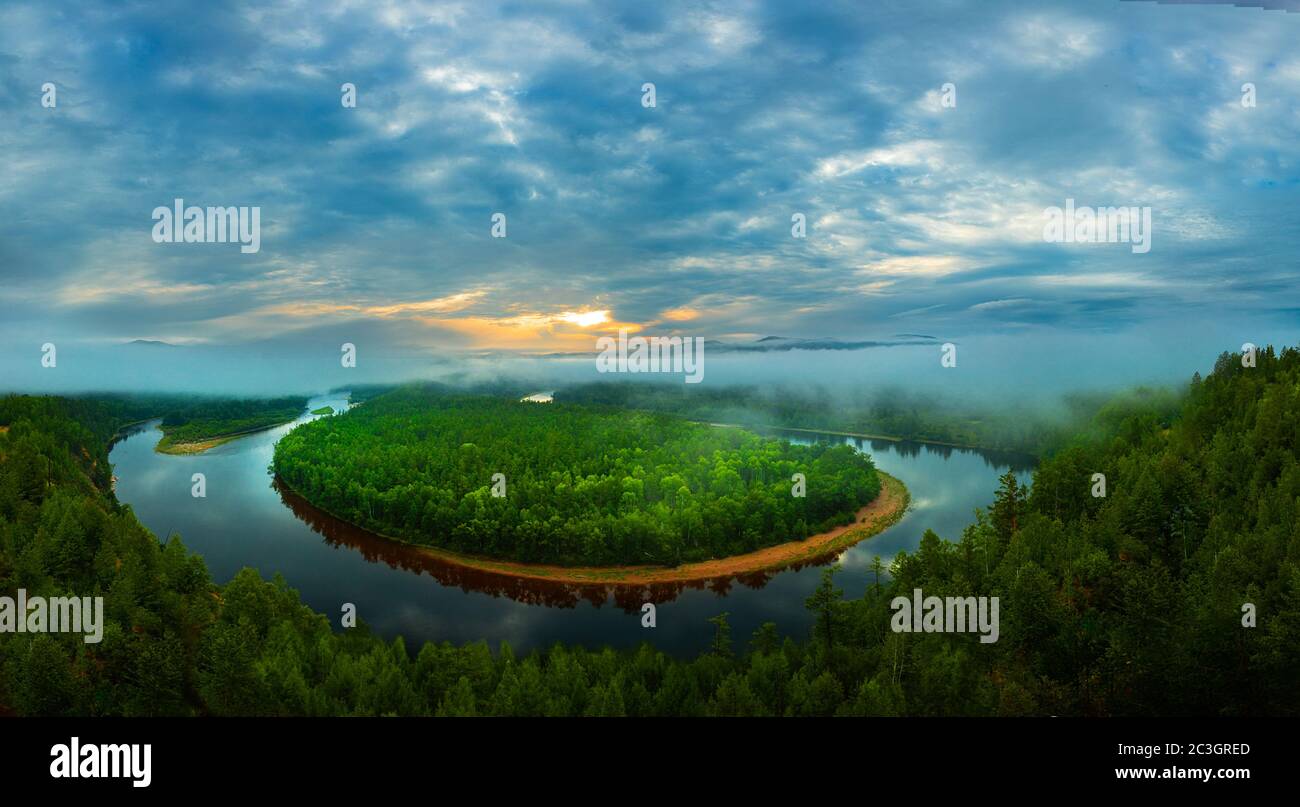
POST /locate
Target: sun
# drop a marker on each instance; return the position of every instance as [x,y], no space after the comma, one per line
[585,319]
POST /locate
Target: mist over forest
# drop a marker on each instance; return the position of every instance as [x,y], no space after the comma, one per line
[1033,370]
[902,358]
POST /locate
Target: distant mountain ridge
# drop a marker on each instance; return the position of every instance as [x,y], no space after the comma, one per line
[777,344]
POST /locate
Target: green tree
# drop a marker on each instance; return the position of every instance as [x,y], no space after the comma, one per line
[721,644]
[1008,504]
[824,603]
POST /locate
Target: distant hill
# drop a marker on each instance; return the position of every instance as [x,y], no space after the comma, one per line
[776,344]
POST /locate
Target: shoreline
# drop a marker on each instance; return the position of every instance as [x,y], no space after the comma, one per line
[200,446]
[884,437]
[872,519]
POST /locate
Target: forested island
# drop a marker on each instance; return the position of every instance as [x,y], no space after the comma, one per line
[196,426]
[568,485]
[1127,604]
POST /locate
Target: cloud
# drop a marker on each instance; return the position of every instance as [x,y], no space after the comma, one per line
[675,217]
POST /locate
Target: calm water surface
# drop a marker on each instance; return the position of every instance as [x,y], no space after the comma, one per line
[246,521]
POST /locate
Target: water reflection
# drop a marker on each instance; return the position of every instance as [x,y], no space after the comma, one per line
[997,460]
[1000,460]
[628,596]
[244,522]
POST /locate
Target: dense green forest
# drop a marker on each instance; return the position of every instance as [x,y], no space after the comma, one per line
[198,420]
[582,485]
[1128,604]
[890,412]
[185,418]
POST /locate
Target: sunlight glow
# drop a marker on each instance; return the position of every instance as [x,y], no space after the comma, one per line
[585,319]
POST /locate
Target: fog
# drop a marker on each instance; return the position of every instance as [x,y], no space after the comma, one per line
[1033,367]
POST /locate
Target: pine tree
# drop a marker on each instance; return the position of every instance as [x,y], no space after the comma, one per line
[1008,505]
[824,602]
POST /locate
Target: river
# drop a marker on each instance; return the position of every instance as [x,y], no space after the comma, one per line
[244,520]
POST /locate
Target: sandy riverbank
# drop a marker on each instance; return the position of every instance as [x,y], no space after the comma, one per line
[883,512]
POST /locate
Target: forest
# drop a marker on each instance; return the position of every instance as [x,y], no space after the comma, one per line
[886,411]
[206,419]
[184,418]
[581,485]
[1124,604]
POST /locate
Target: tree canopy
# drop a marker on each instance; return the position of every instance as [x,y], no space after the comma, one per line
[1125,604]
[581,485]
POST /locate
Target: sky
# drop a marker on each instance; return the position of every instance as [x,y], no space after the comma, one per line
[922,143]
